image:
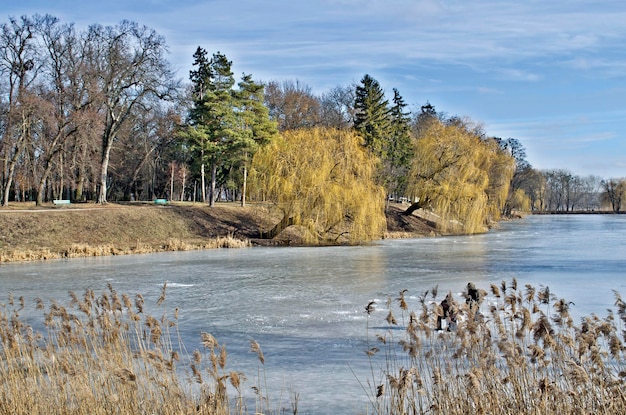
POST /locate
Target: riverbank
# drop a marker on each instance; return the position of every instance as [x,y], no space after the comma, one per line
[577,212]
[30,233]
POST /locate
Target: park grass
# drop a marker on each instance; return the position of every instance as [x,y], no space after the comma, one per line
[523,354]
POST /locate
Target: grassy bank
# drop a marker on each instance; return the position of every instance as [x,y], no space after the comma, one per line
[31,233]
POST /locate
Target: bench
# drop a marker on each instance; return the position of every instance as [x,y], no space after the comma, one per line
[160,201]
[61,202]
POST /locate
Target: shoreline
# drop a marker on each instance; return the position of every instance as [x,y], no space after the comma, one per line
[577,212]
[49,232]
[30,233]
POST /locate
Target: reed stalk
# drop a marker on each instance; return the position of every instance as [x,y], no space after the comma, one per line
[518,353]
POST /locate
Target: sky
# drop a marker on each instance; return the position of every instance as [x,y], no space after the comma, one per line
[551,74]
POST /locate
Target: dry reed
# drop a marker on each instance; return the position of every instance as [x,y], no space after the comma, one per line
[84,250]
[102,354]
[520,354]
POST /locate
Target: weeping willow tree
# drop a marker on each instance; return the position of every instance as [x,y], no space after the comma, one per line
[463,177]
[500,166]
[323,181]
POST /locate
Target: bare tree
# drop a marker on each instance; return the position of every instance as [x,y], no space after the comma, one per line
[337,107]
[128,66]
[557,182]
[292,105]
[567,192]
[614,193]
[19,66]
[140,145]
[66,95]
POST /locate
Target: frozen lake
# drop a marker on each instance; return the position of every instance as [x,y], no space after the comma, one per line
[305,306]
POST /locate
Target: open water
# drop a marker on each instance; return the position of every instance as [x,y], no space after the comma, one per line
[305,306]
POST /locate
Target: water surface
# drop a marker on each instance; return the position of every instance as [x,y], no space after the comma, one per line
[305,306]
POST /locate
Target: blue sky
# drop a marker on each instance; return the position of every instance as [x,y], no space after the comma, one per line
[551,74]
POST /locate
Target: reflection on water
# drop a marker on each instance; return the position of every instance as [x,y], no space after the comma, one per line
[305,306]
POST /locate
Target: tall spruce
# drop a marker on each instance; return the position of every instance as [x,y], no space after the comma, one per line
[255,127]
[221,119]
[196,132]
[226,125]
[213,121]
[372,119]
[399,149]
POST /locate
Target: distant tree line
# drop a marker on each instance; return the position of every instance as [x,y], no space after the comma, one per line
[98,115]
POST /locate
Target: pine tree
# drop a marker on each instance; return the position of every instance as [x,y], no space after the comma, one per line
[213,120]
[399,149]
[200,77]
[221,118]
[226,125]
[197,133]
[372,119]
[255,127]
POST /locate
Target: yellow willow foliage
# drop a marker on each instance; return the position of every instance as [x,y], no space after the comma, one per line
[322,179]
[500,166]
[520,201]
[464,177]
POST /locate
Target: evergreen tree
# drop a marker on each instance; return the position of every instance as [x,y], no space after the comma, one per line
[213,120]
[221,119]
[372,115]
[399,151]
[255,126]
[200,77]
[196,133]
[226,125]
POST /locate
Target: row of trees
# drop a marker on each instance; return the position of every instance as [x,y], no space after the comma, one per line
[447,164]
[225,126]
[71,99]
[561,191]
[98,115]
[294,106]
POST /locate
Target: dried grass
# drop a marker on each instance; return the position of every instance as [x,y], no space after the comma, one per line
[104,355]
[524,355]
[520,354]
[84,250]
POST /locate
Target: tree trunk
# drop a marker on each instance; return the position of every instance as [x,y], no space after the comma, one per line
[42,184]
[172,182]
[417,205]
[182,191]
[106,154]
[280,226]
[243,186]
[213,180]
[80,181]
[203,175]
[19,147]
[61,178]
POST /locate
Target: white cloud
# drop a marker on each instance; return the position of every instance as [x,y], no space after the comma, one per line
[525,64]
